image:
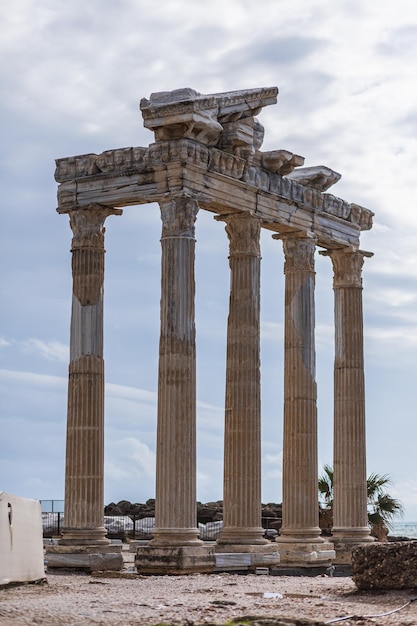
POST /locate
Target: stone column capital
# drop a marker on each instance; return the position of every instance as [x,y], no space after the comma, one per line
[299,249]
[243,231]
[178,215]
[347,266]
[87,224]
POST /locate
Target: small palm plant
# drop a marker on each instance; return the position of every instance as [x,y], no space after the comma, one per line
[382,507]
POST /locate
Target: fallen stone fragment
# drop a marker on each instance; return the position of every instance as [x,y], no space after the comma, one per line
[385,565]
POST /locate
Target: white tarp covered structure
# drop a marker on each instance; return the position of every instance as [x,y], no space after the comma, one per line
[21,544]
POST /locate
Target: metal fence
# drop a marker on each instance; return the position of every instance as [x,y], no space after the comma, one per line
[124,527]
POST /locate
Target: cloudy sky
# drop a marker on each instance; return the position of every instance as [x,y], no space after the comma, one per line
[72,76]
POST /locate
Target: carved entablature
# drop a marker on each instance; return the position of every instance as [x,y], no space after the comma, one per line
[182,113]
[223,119]
[208,146]
[319,177]
[110,161]
[281,161]
[226,163]
[185,151]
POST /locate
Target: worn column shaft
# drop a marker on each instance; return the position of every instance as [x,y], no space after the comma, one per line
[84,470]
[176,518]
[242,444]
[350,519]
[300,472]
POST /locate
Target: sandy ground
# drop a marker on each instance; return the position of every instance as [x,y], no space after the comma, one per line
[76,599]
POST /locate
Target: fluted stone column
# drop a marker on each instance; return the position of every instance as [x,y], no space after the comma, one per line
[176,548]
[84,471]
[350,518]
[300,532]
[84,544]
[242,443]
[176,516]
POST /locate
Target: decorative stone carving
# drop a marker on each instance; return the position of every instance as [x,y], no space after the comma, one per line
[183,150]
[242,137]
[121,160]
[187,113]
[361,216]
[299,252]
[73,167]
[347,267]
[178,217]
[281,161]
[244,233]
[88,251]
[244,103]
[336,206]
[226,163]
[319,177]
[110,161]
[182,113]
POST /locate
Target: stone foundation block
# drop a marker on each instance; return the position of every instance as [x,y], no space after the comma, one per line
[385,565]
[299,554]
[175,560]
[90,558]
[344,547]
[252,556]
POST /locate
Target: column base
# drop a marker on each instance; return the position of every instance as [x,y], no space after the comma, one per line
[242,536]
[175,560]
[175,537]
[91,558]
[345,539]
[296,552]
[84,537]
[249,556]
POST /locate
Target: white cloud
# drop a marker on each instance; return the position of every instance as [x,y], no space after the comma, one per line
[32,379]
[51,350]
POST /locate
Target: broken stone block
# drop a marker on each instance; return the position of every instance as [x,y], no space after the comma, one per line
[390,565]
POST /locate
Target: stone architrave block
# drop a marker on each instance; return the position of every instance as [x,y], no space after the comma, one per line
[385,565]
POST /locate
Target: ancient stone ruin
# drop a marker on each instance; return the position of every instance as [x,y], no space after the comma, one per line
[207,155]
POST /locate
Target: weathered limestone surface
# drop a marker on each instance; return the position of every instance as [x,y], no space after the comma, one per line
[242,449]
[85,558]
[350,517]
[385,565]
[299,541]
[207,154]
[175,559]
[209,145]
[175,512]
[84,495]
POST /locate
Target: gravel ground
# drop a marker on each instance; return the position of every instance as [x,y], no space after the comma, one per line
[128,599]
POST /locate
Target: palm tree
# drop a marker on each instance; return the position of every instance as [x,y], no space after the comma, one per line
[382,508]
